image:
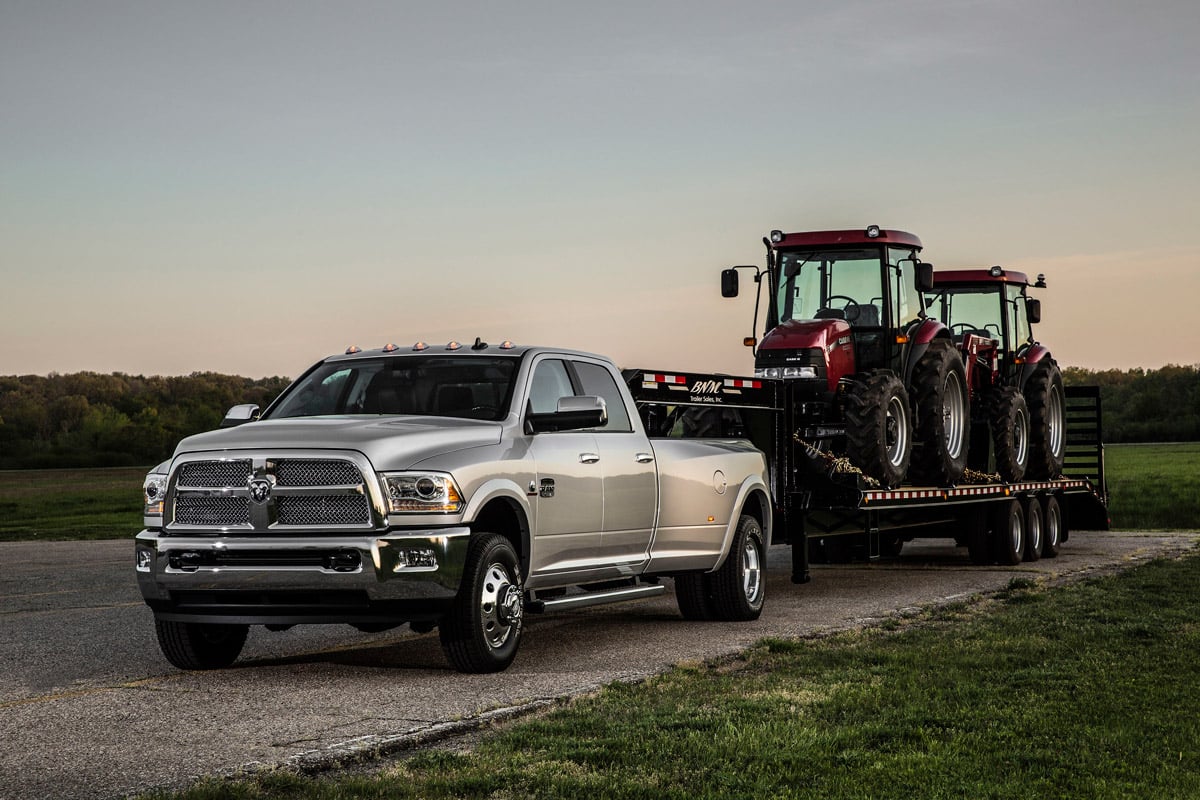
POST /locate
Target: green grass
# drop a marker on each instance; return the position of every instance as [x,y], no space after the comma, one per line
[1087,691]
[70,503]
[1154,486]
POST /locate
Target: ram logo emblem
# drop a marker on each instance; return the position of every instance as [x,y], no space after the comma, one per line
[260,490]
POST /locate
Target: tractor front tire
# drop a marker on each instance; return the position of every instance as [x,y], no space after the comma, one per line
[1047,421]
[1010,433]
[939,399]
[879,427]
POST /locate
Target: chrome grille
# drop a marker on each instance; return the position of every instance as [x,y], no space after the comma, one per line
[212,511]
[215,473]
[323,510]
[314,472]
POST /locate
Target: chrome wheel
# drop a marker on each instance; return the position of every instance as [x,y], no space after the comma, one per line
[896,432]
[500,605]
[954,415]
[751,572]
[1054,421]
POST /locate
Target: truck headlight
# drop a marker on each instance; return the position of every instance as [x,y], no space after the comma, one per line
[421,492]
[154,489]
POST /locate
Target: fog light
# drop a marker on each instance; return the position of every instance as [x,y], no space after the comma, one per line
[144,559]
[416,558]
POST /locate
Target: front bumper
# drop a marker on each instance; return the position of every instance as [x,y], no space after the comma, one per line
[400,576]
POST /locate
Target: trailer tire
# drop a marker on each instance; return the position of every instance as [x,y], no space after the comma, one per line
[739,585]
[1052,526]
[1008,532]
[694,596]
[1035,530]
[979,546]
[879,427]
[1047,421]
[198,645]
[1010,433]
[939,399]
[483,629]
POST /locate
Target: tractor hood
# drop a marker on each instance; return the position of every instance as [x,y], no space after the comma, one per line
[826,343]
[390,443]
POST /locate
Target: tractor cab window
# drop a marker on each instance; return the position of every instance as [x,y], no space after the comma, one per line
[966,311]
[831,284]
[907,299]
[1018,316]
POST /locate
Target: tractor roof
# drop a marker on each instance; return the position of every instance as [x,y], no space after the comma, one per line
[943,277]
[859,236]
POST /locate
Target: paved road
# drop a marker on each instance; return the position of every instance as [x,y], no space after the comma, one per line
[89,709]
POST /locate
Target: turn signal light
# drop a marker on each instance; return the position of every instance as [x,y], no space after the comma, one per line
[749,341]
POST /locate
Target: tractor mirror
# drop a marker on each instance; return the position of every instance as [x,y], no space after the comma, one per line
[924,276]
[1033,310]
[729,282]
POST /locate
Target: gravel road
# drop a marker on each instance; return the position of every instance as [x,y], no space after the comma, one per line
[90,709]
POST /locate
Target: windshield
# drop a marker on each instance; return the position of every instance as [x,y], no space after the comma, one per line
[824,284]
[473,387]
[964,311]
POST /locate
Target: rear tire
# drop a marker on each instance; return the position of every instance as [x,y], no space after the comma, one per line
[939,398]
[197,645]
[1010,433]
[740,585]
[1034,529]
[1052,526]
[1047,421]
[694,596]
[879,427]
[483,629]
[1008,533]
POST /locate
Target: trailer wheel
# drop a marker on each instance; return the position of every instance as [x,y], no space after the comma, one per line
[197,645]
[979,546]
[1010,433]
[694,596]
[740,585]
[1052,526]
[939,399]
[1047,421]
[1034,529]
[879,427]
[1008,532]
[483,629]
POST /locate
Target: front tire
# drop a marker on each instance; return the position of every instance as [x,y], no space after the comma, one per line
[1047,421]
[739,587]
[879,427]
[939,398]
[1010,433]
[483,629]
[196,645]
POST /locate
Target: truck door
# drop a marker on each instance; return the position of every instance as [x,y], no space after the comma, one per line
[627,464]
[568,482]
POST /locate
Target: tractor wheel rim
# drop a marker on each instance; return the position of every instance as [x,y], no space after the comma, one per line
[1021,437]
[895,432]
[1054,420]
[954,422]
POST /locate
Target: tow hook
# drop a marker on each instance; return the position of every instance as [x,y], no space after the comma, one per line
[343,561]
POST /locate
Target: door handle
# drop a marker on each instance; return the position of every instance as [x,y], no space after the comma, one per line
[588,458]
[643,458]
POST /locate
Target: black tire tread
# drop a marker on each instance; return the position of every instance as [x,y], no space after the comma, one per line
[693,595]
[728,596]
[1043,464]
[194,645]
[461,640]
[931,462]
[865,414]
[1005,404]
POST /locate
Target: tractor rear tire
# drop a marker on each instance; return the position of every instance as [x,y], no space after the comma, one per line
[1047,421]
[1010,433]
[939,398]
[879,427]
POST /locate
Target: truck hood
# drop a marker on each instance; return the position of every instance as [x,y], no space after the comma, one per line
[798,334]
[389,442]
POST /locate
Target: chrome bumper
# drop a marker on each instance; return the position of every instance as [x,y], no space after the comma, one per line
[398,576]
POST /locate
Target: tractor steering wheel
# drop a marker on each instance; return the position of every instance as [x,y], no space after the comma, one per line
[966,328]
[850,301]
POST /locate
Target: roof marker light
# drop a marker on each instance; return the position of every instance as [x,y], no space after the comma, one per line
[352,349]
[776,236]
[390,348]
[419,346]
[453,345]
[872,231]
[507,345]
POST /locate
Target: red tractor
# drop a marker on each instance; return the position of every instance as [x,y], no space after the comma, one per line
[990,315]
[870,374]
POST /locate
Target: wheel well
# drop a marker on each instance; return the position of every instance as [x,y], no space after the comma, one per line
[504,517]
[759,507]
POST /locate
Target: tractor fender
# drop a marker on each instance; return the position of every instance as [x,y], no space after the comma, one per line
[919,337]
[1030,356]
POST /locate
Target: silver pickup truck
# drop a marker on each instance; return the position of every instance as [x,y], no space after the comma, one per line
[457,487]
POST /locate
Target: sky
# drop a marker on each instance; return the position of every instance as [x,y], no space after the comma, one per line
[247,187]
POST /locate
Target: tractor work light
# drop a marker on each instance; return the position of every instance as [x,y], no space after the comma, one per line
[872,231]
[996,271]
[1041,281]
[776,236]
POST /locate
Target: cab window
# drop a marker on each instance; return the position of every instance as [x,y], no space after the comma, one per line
[596,380]
[550,382]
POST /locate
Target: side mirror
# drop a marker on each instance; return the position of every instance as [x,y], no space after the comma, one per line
[1033,310]
[924,276]
[729,282]
[240,415]
[574,413]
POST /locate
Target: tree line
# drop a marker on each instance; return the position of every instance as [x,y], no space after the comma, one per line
[87,419]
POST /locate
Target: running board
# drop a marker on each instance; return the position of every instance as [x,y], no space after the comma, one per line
[595,598]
